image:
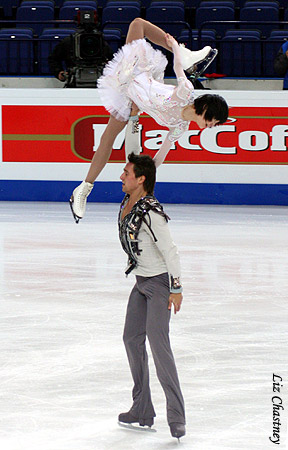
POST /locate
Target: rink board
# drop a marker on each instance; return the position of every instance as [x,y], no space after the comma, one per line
[49,137]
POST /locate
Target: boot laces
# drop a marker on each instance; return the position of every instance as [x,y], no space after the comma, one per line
[82,196]
[135,126]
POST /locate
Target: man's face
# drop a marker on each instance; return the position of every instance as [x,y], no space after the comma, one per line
[129,182]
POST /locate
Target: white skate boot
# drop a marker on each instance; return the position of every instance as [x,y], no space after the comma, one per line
[79,198]
[190,59]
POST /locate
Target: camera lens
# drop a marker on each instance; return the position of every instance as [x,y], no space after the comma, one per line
[90,46]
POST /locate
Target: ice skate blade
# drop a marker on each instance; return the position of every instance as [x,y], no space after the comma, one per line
[178,439]
[130,426]
[207,61]
[76,218]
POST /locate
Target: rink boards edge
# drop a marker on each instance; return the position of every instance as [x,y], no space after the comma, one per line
[185,193]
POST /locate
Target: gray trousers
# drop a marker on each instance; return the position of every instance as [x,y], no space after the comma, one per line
[148,315]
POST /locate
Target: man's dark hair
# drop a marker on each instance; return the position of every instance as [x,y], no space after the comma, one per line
[144,165]
[213,106]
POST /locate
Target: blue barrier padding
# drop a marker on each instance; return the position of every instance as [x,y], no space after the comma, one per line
[111,192]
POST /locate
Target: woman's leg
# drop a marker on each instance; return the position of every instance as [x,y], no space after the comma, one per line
[103,152]
[137,30]
[79,196]
[141,28]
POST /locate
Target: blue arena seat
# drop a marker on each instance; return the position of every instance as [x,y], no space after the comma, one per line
[7,7]
[262,14]
[54,32]
[195,41]
[80,3]
[16,51]
[278,3]
[24,30]
[270,49]
[119,15]
[35,13]
[240,54]
[178,3]
[285,25]
[57,33]
[217,3]
[207,13]
[123,3]
[114,38]
[272,3]
[247,33]
[279,33]
[45,46]
[165,15]
[38,3]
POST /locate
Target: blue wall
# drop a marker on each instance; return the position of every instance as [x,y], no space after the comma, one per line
[198,193]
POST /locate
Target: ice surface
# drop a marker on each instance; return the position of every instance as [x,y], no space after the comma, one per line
[64,373]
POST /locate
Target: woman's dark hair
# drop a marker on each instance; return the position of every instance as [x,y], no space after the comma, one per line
[213,106]
[144,165]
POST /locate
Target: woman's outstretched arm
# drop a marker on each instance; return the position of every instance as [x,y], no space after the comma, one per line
[177,64]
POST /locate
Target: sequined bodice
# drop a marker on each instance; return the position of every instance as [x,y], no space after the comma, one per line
[163,102]
[168,103]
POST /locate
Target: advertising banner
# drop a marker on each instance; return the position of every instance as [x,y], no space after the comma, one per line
[49,137]
[57,134]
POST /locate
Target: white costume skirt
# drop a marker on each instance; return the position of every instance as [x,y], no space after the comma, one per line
[124,70]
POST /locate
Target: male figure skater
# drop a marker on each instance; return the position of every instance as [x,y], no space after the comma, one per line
[154,259]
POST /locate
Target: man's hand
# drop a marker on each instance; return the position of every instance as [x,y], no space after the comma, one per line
[134,109]
[176,299]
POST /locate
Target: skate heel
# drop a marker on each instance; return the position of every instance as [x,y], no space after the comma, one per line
[128,418]
[146,422]
[177,430]
[71,202]
[200,69]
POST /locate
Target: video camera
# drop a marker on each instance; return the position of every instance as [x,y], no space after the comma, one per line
[87,52]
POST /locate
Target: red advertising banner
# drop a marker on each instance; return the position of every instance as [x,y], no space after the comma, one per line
[252,135]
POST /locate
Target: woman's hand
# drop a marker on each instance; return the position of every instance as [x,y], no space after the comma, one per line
[170,41]
[175,48]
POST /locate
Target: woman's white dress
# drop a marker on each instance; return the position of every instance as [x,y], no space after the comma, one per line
[136,73]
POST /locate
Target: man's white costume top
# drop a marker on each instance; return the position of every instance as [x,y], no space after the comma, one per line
[145,237]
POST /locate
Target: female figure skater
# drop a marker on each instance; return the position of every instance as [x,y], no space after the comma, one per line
[134,80]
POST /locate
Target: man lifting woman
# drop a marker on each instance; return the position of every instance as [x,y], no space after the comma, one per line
[133,80]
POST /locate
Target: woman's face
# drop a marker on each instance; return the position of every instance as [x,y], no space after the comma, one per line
[203,123]
[190,115]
